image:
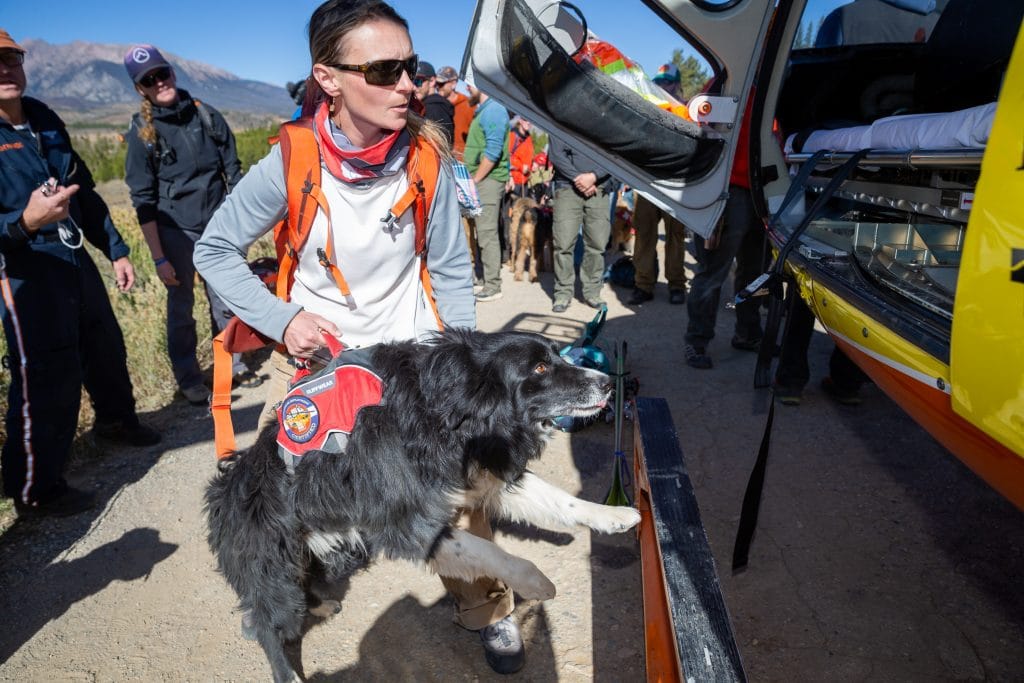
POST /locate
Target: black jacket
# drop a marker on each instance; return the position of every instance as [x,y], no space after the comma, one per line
[181,180]
[26,163]
[568,165]
[442,112]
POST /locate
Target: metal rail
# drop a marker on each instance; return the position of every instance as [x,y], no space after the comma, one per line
[903,158]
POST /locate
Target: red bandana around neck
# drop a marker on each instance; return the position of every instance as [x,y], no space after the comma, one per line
[353,166]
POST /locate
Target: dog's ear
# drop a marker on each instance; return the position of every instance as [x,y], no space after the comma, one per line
[460,384]
[445,381]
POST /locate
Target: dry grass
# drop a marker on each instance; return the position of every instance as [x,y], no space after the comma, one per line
[141,314]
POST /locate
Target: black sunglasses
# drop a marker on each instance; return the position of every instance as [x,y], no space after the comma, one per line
[384,71]
[12,58]
[150,79]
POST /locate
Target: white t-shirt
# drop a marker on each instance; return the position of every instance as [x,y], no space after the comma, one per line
[381,267]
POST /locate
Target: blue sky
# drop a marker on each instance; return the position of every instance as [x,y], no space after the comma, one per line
[266,41]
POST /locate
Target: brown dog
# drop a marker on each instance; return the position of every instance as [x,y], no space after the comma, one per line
[522,237]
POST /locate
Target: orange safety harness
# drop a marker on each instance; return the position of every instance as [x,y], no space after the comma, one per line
[300,153]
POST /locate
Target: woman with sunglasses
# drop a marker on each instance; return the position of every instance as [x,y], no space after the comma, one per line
[360,98]
[181,163]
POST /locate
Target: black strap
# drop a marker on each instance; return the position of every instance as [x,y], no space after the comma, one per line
[762,371]
[752,497]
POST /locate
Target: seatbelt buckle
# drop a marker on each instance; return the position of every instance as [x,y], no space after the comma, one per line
[762,285]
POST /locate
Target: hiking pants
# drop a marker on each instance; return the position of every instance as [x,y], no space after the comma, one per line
[645,222]
[61,332]
[742,238]
[178,246]
[571,209]
[487,231]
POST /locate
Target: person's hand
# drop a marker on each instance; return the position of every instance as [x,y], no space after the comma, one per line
[124,274]
[304,335]
[43,208]
[165,271]
[585,183]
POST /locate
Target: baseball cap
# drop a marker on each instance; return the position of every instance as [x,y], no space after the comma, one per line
[447,73]
[667,72]
[426,69]
[141,59]
[7,43]
[541,159]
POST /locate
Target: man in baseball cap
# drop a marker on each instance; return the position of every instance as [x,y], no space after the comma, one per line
[48,203]
[436,107]
[668,79]
[141,59]
[447,74]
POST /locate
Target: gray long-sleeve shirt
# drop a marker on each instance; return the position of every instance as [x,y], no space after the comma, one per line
[259,201]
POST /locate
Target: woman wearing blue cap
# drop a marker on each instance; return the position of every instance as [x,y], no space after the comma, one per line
[181,163]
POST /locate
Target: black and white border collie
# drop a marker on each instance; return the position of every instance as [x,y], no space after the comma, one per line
[462,417]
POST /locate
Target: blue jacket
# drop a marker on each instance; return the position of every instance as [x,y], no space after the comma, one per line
[26,163]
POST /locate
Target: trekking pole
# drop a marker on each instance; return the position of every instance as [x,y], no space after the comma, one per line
[617,492]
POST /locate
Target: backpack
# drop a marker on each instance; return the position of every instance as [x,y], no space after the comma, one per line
[300,153]
[621,272]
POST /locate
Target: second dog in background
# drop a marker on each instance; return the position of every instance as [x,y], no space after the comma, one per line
[524,238]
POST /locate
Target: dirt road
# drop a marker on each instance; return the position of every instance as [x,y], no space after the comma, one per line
[878,558]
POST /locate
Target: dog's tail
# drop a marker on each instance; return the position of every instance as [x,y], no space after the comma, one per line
[253,532]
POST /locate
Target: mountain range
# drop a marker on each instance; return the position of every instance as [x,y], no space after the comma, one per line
[88,82]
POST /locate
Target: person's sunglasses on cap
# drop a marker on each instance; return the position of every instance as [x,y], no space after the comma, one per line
[384,71]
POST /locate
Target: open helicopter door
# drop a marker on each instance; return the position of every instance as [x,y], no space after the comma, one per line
[529,55]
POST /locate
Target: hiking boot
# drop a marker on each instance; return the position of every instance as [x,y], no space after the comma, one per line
[745,344]
[197,394]
[677,296]
[131,435]
[247,379]
[846,397]
[503,646]
[639,296]
[787,396]
[488,294]
[69,502]
[596,303]
[697,357]
[560,307]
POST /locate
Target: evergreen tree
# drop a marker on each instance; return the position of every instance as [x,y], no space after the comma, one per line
[692,73]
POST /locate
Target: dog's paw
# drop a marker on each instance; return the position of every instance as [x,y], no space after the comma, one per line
[614,519]
[530,582]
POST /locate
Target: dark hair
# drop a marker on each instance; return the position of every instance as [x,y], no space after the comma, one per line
[330,24]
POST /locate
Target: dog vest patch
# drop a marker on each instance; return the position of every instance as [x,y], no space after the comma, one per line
[319,412]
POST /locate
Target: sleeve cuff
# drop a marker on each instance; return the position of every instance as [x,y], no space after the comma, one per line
[145,213]
[16,232]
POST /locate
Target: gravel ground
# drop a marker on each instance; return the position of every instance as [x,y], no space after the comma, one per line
[879,557]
